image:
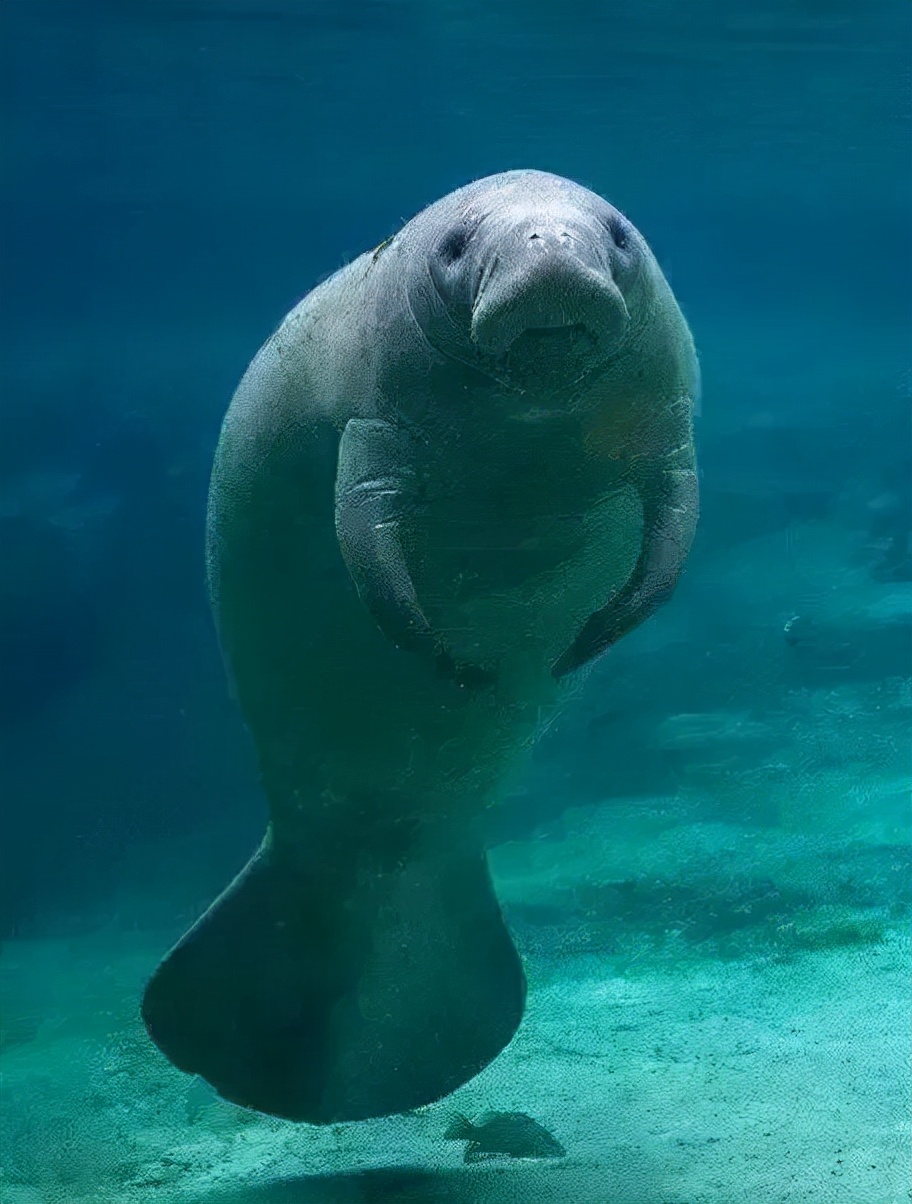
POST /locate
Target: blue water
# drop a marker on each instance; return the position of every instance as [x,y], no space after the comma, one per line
[707,864]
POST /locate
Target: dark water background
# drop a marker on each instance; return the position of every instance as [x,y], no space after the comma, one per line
[175,174]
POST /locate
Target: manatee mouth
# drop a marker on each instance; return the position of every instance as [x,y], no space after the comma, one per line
[557,332]
[585,307]
[554,340]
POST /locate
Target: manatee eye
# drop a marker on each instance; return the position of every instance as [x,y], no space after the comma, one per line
[620,236]
[453,244]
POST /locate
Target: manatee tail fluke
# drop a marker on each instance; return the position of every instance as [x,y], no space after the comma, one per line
[348,991]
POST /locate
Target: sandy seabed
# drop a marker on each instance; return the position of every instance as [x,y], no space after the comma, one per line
[671,1077]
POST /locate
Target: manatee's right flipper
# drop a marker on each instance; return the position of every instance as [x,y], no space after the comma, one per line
[376,488]
[367,986]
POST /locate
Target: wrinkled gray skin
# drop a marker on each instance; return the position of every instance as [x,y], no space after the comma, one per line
[459,471]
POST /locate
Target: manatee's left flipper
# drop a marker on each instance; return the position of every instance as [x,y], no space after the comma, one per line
[376,488]
[670,507]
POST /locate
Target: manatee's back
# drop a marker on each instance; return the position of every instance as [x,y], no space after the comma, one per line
[270,539]
[298,644]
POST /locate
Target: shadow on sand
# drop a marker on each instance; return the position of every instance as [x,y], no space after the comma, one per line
[528,1183]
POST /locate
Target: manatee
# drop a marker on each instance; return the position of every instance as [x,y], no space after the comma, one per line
[458,472]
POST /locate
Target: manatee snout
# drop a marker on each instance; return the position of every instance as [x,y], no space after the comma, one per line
[545,276]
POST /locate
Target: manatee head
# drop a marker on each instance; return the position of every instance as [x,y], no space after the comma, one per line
[527,271]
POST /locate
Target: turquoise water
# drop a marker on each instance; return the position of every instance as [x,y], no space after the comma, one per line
[706,862]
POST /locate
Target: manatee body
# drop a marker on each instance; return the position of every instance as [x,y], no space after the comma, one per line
[459,471]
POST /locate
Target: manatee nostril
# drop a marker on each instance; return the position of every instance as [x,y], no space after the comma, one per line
[552,237]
